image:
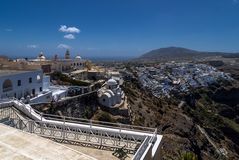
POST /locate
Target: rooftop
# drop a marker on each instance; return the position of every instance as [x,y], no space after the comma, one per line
[16,144]
[10,72]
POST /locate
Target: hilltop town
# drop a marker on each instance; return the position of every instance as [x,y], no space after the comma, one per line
[168,78]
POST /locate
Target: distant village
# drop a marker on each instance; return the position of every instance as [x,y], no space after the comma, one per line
[164,79]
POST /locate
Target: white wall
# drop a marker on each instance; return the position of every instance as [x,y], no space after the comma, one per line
[26,86]
[46,82]
[42,98]
[62,64]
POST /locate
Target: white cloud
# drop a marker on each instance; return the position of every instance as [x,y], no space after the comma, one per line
[69,36]
[66,29]
[32,46]
[63,46]
[8,30]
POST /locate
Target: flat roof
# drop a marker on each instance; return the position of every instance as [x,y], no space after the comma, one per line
[16,144]
[78,71]
[11,72]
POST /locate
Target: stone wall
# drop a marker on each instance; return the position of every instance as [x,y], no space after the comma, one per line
[82,106]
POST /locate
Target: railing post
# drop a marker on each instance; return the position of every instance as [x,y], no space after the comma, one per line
[20,124]
[63,128]
[41,126]
[30,126]
[100,138]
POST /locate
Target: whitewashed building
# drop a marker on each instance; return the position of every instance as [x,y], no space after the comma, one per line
[110,94]
[18,84]
[30,86]
[68,63]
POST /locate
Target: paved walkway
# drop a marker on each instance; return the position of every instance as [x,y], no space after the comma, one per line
[16,144]
[98,153]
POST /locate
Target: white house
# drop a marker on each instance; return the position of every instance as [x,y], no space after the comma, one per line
[18,84]
[110,94]
[30,86]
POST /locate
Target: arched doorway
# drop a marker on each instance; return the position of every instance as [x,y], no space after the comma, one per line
[7,85]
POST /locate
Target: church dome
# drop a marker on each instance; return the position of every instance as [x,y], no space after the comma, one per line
[41,56]
[110,92]
[111,82]
[78,57]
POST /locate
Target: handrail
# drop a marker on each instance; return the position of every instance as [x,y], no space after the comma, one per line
[80,120]
[148,141]
[145,134]
[141,149]
[77,96]
[95,122]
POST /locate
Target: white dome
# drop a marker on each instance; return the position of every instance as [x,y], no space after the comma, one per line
[110,92]
[78,57]
[41,56]
[107,95]
[111,82]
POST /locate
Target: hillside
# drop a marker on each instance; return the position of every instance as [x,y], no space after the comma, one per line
[204,121]
[179,53]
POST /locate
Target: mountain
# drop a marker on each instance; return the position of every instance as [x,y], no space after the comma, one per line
[179,53]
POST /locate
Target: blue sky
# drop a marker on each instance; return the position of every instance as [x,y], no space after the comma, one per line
[121,28]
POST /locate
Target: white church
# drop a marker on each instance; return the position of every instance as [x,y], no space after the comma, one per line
[110,94]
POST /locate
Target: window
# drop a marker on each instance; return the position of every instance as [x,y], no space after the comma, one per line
[40,89]
[33,91]
[19,82]
[38,78]
[7,85]
[30,80]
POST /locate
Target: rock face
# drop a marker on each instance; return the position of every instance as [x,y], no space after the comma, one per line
[227,96]
[83,106]
[179,125]
[217,111]
[229,102]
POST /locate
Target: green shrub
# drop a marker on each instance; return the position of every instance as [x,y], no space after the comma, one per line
[65,78]
[187,156]
[104,116]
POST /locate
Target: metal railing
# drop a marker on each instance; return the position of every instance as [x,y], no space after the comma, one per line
[89,122]
[147,141]
[71,134]
[97,133]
